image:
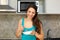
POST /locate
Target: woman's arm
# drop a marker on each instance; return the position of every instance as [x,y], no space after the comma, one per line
[19,29]
[41,35]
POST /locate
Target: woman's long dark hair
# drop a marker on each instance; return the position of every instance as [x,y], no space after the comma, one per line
[36,21]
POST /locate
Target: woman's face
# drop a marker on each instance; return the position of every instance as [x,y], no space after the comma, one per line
[31,12]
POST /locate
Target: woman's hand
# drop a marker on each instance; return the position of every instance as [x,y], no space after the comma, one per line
[33,32]
[19,29]
[41,35]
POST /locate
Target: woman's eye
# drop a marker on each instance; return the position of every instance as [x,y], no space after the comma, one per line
[33,12]
[29,11]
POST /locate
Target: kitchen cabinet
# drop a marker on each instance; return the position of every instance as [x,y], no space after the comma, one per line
[5,7]
[3,2]
[52,6]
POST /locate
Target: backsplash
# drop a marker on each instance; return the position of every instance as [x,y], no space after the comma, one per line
[9,23]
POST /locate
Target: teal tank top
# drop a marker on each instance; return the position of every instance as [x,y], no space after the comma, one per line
[27,37]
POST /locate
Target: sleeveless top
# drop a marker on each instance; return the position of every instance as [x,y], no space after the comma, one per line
[27,37]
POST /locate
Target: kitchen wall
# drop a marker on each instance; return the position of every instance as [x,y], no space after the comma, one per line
[9,23]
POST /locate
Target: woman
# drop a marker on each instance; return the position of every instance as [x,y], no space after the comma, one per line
[30,23]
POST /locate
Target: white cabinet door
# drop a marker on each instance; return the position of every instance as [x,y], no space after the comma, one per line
[52,6]
[3,2]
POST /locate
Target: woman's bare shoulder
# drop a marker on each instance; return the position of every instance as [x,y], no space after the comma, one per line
[20,20]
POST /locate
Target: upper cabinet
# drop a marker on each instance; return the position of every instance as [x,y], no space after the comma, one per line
[3,2]
[52,6]
[5,7]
